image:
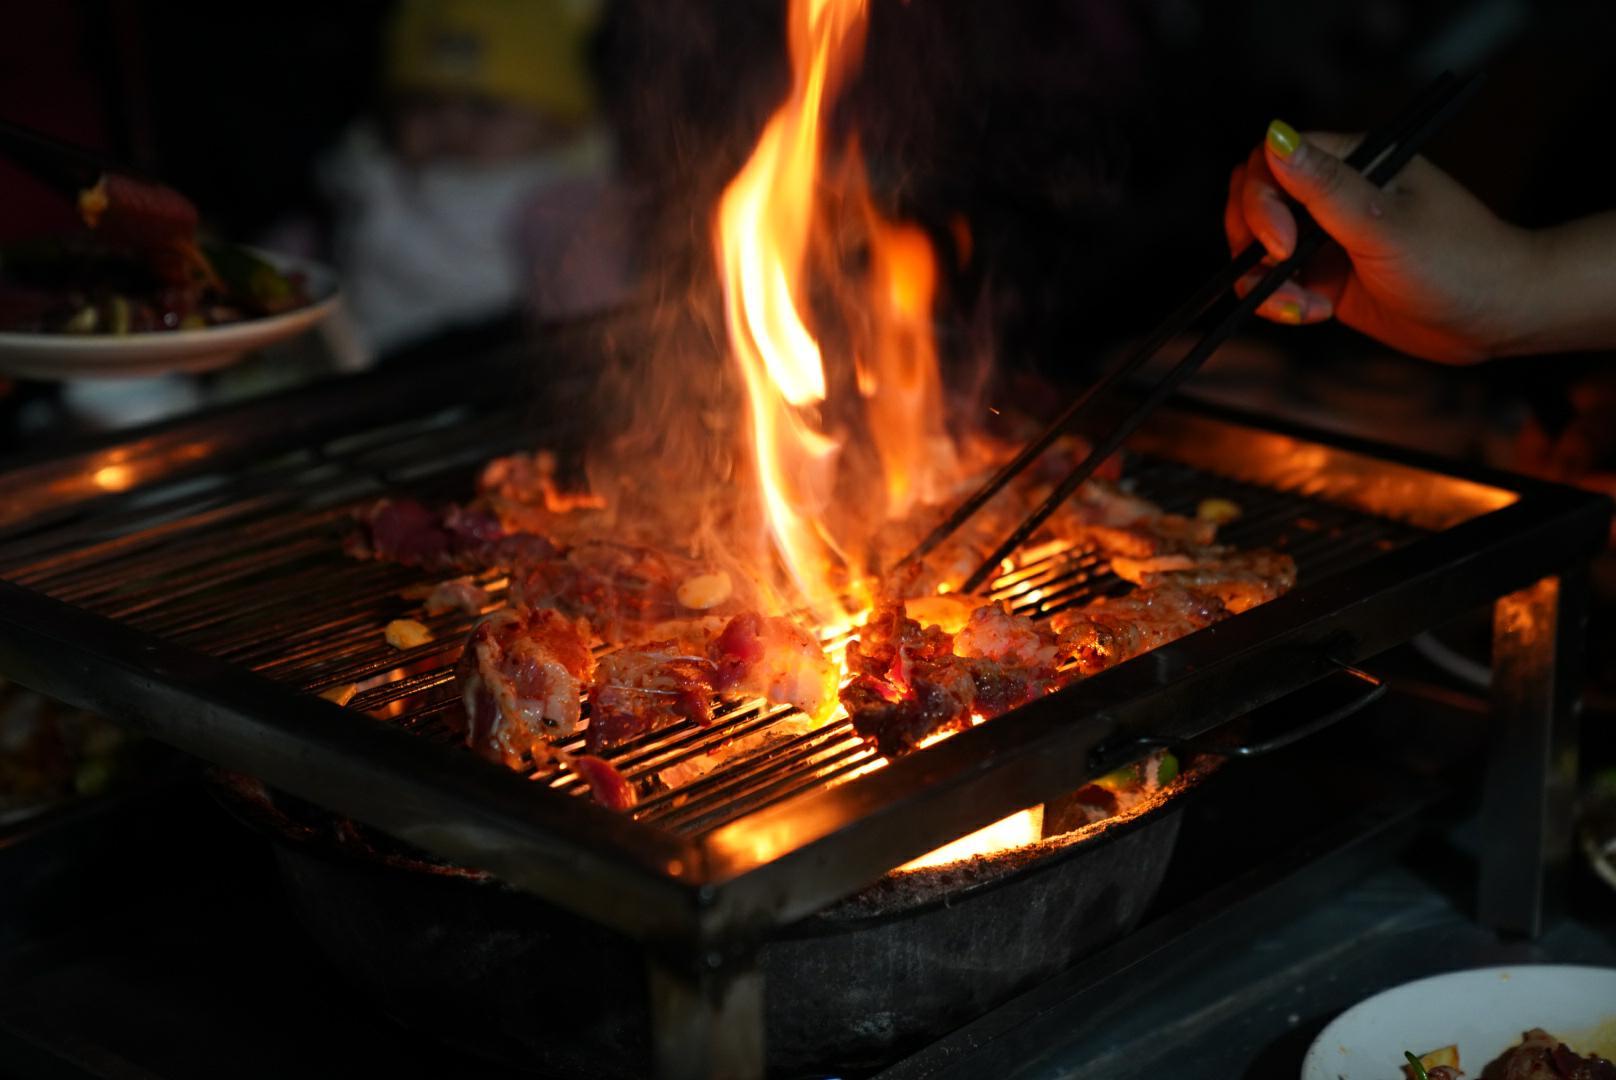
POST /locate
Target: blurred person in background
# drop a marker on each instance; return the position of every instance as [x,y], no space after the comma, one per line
[485,182]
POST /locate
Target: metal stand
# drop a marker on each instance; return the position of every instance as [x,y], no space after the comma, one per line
[1532,764]
[707,1021]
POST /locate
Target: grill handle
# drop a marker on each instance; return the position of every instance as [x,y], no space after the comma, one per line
[1370,689]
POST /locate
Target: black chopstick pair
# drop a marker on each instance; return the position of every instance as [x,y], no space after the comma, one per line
[1381,156]
[67,168]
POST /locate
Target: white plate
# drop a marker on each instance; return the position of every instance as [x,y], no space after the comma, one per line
[1482,1012]
[157,352]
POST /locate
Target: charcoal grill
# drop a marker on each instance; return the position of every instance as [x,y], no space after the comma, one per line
[190,579]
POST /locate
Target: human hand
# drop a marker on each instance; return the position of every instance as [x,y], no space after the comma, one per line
[1422,265]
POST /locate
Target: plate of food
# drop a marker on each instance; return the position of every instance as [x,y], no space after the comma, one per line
[76,307]
[136,288]
[1537,1022]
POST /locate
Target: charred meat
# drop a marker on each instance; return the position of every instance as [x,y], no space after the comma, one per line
[777,659]
[913,681]
[1104,634]
[624,590]
[521,676]
[454,538]
[1240,579]
[645,688]
[1541,1056]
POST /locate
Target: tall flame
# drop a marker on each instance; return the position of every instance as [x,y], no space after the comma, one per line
[899,380]
[766,222]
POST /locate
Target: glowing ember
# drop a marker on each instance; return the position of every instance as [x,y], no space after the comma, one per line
[1017,830]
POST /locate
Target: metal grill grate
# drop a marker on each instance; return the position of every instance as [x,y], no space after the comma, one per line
[249,568]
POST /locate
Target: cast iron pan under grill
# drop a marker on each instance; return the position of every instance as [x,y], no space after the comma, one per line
[500,974]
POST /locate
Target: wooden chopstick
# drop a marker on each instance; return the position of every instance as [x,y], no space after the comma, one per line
[1381,156]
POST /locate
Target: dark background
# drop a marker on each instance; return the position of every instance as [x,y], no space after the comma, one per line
[1087,142]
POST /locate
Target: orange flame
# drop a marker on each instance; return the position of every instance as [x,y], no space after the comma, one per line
[765,222]
[765,228]
[1018,830]
[900,382]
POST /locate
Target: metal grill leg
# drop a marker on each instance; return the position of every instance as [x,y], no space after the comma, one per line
[707,1025]
[1532,756]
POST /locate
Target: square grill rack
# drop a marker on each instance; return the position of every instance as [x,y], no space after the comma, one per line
[190,580]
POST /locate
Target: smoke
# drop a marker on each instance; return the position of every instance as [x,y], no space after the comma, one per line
[690,84]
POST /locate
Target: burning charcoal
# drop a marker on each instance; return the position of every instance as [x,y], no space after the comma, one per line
[521,676]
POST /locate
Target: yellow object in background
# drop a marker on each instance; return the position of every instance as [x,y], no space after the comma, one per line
[525,52]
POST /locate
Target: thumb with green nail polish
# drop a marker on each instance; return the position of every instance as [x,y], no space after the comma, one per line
[1282,139]
[1422,266]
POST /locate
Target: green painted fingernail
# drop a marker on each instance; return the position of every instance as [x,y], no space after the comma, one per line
[1282,138]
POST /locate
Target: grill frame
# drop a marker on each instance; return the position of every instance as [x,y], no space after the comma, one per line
[701,903]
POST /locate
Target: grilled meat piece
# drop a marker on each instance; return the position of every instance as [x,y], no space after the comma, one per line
[993,633]
[1541,1056]
[1242,579]
[776,659]
[939,698]
[456,538]
[521,676]
[915,681]
[1121,523]
[907,684]
[609,787]
[460,594]
[1108,632]
[889,630]
[622,589]
[645,688]
[1012,659]
[533,480]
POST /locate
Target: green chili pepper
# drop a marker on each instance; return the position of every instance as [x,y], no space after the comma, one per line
[1167,770]
[251,279]
[1415,1066]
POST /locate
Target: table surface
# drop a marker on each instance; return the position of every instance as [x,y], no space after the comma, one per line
[1253,1014]
[177,955]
